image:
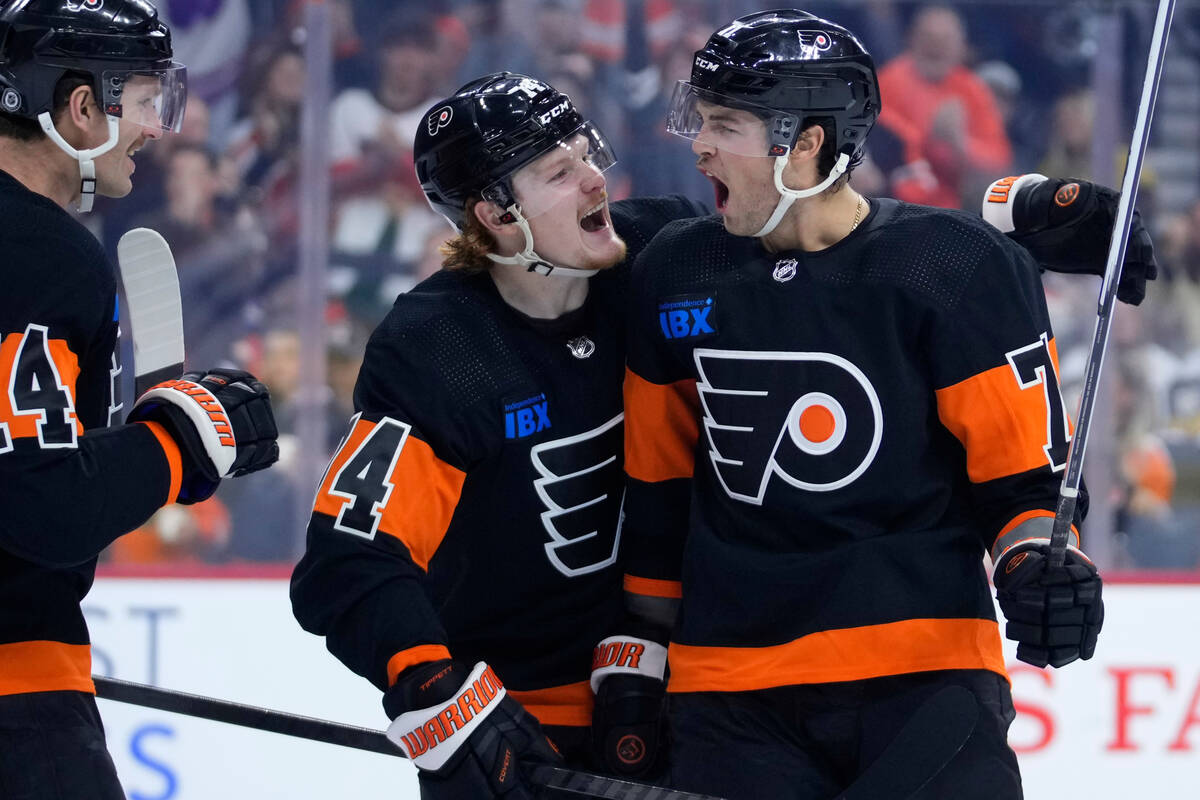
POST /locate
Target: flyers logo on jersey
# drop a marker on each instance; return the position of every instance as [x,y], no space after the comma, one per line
[813,420]
[581,485]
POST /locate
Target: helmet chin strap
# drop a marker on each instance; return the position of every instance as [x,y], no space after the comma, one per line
[788,196]
[86,158]
[532,261]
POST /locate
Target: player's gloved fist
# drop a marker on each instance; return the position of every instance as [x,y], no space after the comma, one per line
[629,720]
[1067,224]
[1055,614]
[465,734]
[222,422]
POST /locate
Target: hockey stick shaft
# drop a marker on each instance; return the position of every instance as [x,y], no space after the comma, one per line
[319,730]
[1068,496]
[263,719]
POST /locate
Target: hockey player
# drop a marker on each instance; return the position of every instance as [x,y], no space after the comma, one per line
[841,404]
[82,87]
[463,548]
[466,533]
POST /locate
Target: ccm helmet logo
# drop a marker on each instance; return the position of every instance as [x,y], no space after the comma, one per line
[705,64]
[557,111]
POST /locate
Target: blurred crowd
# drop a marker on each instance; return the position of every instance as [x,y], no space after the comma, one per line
[971,91]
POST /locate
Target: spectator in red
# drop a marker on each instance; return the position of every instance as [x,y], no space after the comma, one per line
[948,129]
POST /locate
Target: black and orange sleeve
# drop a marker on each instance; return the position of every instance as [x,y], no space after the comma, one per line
[662,413]
[380,514]
[70,485]
[995,364]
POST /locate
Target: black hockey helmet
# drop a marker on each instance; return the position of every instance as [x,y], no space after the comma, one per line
[107,40]
[473,142]
[784,66]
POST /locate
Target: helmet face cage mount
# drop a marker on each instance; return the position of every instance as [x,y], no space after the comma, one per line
[152,99]
[554,176]
[729,123]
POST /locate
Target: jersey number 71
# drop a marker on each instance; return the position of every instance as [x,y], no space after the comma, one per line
[1033,365]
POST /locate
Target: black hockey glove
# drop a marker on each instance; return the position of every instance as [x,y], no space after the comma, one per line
[1055,615]
[465,734]
[222,422]
[1067,224]
[629,723]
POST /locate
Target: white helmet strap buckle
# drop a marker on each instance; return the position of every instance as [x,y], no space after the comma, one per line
[788,196]
[86,158]
[529,258]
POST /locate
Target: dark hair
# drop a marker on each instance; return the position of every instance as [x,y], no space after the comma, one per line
[828,155]
[30,130]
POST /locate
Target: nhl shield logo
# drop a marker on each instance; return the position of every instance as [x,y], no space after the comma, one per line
[785,270]
[439,119]
[581,346]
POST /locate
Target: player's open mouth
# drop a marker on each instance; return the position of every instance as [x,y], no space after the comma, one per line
[595,218]
[722,192]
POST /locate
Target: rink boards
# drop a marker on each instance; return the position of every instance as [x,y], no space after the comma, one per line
[1125,724]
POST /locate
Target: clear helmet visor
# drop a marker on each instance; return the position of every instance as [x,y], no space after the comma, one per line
[562,174]
[153,99]
[729,124]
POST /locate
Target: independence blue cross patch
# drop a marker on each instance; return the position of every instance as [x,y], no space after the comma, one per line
[526,417]
[686,317]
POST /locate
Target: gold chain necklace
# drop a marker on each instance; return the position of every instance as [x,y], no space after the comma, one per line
[857,214]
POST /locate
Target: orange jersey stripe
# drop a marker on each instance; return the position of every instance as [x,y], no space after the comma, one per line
[847,654]
[1002,426]
[25,424]
[43,666]
[419,511]
[174,458]
[661,428]
[413,656]
[653,587]
[559,705]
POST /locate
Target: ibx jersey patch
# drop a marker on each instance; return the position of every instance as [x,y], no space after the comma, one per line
[525,417]
[687,317]
[823,420]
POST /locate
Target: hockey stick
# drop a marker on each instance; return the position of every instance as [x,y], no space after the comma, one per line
[155,310]
[318,730]
[1068,495]
[924,746]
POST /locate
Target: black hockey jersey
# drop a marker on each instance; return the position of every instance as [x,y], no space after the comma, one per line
[821,446]
[474,507]
[68,487]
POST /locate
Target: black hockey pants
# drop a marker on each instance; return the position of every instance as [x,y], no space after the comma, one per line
[810,742]
[52,748]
